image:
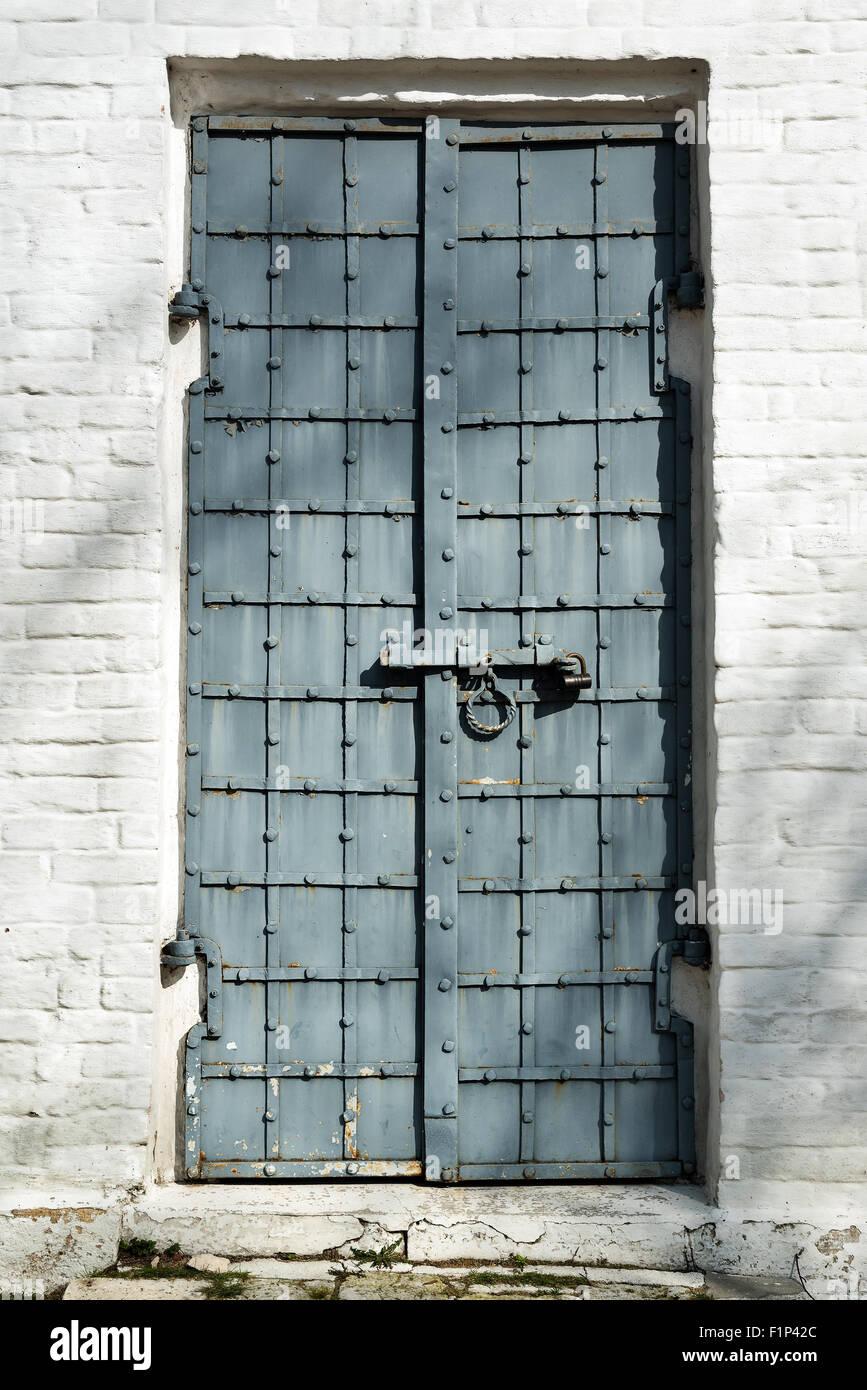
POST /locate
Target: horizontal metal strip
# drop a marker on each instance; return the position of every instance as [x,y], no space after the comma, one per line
[528,231]
[574,506]
[239,599]
[563,1172]
[486,601]
[360,125]
[411,692]
[307,784]
[306,692]
[315,229]
[566,884]
[255,878]
[591,697]
[618,322]
[475,979]
[316,321]
[387,414]
[535,789]
[564,602]
[304,506]
[269,1169]
[320,973]
[612,1073]
[308,1071]
[495,133]
[652,410]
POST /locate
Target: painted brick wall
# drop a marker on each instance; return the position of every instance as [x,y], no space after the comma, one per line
[88,633]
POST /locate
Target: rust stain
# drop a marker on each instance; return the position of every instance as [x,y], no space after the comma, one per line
[55,1214]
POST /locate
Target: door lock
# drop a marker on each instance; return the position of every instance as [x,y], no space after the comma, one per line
[570,677]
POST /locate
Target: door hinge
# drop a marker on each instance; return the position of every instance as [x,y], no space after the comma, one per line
[181,952]
[688,288]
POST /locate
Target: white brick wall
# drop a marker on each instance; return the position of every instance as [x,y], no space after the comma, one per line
[88,637]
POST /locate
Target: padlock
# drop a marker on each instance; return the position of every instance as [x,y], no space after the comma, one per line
[575,680]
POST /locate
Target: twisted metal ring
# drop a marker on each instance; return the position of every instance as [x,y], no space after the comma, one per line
[494,689]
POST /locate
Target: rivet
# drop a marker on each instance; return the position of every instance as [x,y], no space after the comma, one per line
[389,415]
[639,412]
[604,738]
[192,749]
[605,548]
[309,785]
[687,1102]
[444,986]
[195,688]
[446,612]
[195,508]
[447,427]
[641,883]
[523,178]
[602,272]
[351,180]
[199,166]
[237,504]
[447,923]
[600,177]
[487,232]
[448,553]
[314,504]
[449,244]
[525,742]
[564,415]
[605,641]
[193,810]
[449,1109]
[347,1117]
[275,551]
[192,869]
[525,458]
[354,362]
[347,1021]
[347,833]
[566,789]
[451,138]
[525,268]
[606,837]
[566,884]
[488,886]
[310,880]
[273,272]
[445,675]
[607,132]
[351,639]
[350,927]
[489,1075]
[352,1169]
[312,692]
[350,457]
[450,186]
[608,1119]
[525,549]
[383,880]
[602,463]
[526,1029]
[526,838]
[601,363]
[448,303]
[386,1069]
[446,794]
[449,857]
[487,601]
[271,834]
[388,693]
[562,229]
[350,125]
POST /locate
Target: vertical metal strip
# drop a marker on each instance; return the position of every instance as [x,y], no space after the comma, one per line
[278,535]
[605,805]
[684,838]
[527,804]
[195,597]
[440,687]
[352,674]
[198,210]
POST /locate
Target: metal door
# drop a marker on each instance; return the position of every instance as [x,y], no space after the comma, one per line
[437,428]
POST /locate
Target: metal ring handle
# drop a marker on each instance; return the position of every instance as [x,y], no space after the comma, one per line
[511,708]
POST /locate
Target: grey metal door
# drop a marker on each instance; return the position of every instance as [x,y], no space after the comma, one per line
[438,405]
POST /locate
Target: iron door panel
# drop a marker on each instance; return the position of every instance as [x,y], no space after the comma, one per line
[437,397]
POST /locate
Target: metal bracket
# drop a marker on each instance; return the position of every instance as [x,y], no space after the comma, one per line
[695,949]
[180,953]
[188,304]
